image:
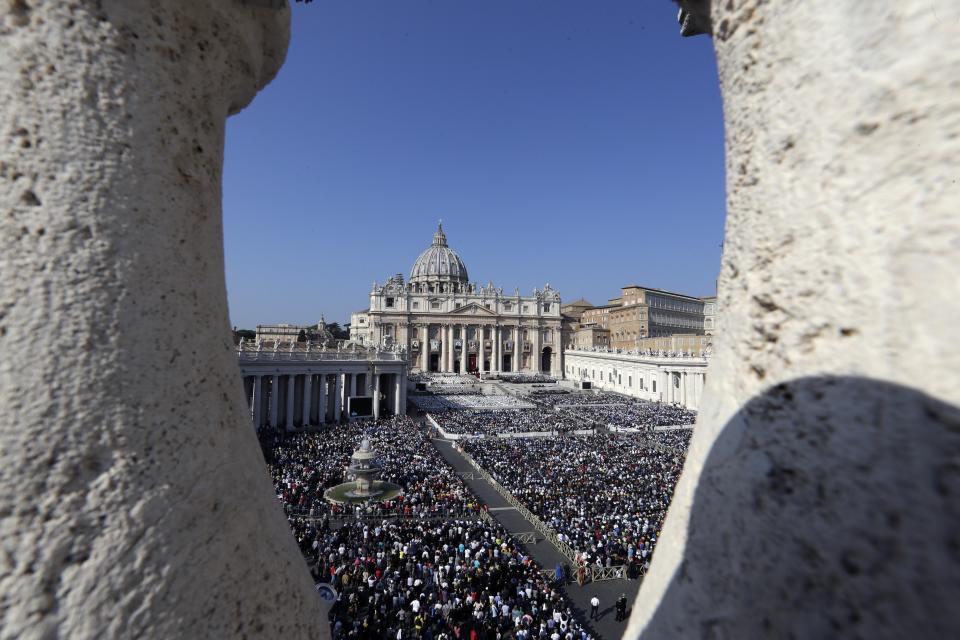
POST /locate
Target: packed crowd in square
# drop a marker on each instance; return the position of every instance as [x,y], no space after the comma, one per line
[638,414]
[438,581]
[441,573]
[303,465]
[606,495]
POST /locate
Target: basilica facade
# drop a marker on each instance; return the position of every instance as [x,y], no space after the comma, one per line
[448,324]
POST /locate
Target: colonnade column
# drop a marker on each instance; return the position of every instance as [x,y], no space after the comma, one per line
[307,398]
[684,400]
[257,401]
[322,394]
[338,398]
[376,395]
[274,395]
[397,408]
[291,382]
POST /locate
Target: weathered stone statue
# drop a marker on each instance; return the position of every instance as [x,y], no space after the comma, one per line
[133,498]
[820,495]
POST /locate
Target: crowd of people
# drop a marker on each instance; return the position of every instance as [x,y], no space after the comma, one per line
[493,422]
[638,414]
[303,465]
[442,571]
[547,398]
[438,581]
[606,494]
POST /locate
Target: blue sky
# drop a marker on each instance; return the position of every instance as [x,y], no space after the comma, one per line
[570,142]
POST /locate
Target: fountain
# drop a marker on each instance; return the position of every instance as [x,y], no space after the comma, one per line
[364,469]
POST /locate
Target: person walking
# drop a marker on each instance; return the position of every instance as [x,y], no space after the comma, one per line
[594,608]
[622,607]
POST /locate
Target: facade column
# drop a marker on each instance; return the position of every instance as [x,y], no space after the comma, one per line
[376,395]
[535,355]
[274,396]
[495,348]
[481,351]
[464,353]
[258,401]
[518,349]
[424,348]
[338,398]
[451,352]
[291,387]
[444,345]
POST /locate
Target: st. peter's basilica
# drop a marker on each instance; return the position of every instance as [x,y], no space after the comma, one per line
[448,324]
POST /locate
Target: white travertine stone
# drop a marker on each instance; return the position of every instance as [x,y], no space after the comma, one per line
[820,494]
[133,497]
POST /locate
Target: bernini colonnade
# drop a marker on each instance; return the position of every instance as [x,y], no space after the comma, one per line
[300,385]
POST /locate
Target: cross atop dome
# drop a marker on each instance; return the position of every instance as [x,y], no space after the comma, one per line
[439,238]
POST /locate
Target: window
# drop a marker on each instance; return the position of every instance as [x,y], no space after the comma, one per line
[654,383]
[526,308]
[546,307]
[415,305]
[389,303]
[487,305]
[630,381]
[434,304]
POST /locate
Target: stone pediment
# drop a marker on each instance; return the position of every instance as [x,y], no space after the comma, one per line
[473,309]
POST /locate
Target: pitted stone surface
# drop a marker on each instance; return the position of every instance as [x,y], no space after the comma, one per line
[819,497]
[133,497]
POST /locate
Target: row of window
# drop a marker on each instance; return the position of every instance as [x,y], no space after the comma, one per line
[672,304]
[390,303]
[583,373]
[547,335]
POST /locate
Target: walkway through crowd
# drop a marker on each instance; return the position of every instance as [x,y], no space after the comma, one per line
[546,554]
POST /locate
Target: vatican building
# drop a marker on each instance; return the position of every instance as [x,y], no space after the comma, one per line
[448,324]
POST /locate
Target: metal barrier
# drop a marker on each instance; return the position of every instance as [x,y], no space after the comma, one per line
[608,573]
[526,537]
[538,524]
[594,572]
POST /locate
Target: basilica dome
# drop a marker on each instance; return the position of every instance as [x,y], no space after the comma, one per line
[439,263]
